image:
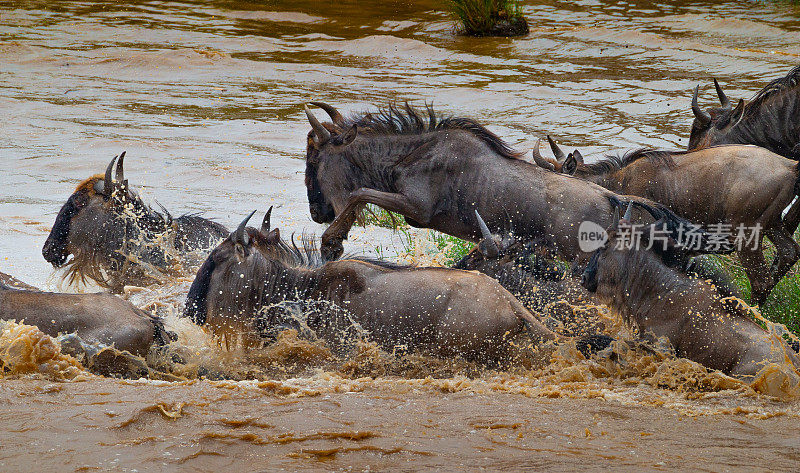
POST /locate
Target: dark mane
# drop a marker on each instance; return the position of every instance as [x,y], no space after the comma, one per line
[612,163]
[393,120]
[776,87]
[308,256]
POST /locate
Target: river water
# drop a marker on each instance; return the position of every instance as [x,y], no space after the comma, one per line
[206,97]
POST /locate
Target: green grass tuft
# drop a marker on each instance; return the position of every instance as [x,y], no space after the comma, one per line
[783,304]
[374,215]
[489,17]
[453,248]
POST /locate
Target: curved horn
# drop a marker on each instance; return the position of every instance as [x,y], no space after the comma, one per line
[120,174]
[560,156]
[240,236]
[337,117]
[265,223]
[322,135]
[540,160]
[485,233]
[702,116]
[628,212]
[487,245]
[723,99]
[108,183]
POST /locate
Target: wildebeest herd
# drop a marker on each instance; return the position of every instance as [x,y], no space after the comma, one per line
[455,176]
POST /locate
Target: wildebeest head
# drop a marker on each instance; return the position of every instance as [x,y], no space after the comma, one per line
[99,218]
[235,289]
[621,241]
[492,249]
[708,124]
[324,140]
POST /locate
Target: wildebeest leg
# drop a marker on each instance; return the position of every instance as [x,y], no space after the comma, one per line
[786,255]
[398,203]
[757,272]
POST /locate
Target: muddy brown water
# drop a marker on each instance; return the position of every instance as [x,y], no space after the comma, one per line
[205,97]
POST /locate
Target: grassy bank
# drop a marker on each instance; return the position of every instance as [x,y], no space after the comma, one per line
[489,17]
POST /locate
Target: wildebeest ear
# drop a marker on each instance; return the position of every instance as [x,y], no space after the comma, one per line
[570,165]
[274,236]
[349,136]
[560,156]
[737,113]
[578,156]
[615,219]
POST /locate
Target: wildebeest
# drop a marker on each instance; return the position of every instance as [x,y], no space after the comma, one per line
[437,172]
[738,186]
[437,310]
[116,239]
[770,120]
[95,318]
[700,323]
[544,286]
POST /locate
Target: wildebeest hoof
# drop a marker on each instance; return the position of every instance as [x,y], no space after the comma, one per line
[592,344]
[332,249]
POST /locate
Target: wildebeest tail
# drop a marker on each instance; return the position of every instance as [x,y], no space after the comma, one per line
[196,300]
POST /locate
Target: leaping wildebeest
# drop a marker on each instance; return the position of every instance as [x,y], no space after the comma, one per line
[745,188]
[441,311]
[437,172]
[702,324]
[770,120]
[116,239]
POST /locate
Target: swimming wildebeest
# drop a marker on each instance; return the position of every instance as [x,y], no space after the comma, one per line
[700,323]
[116,239]
[442,311]
[437,172]
[770,120]
[542,285]
[743,187]
[95,318]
